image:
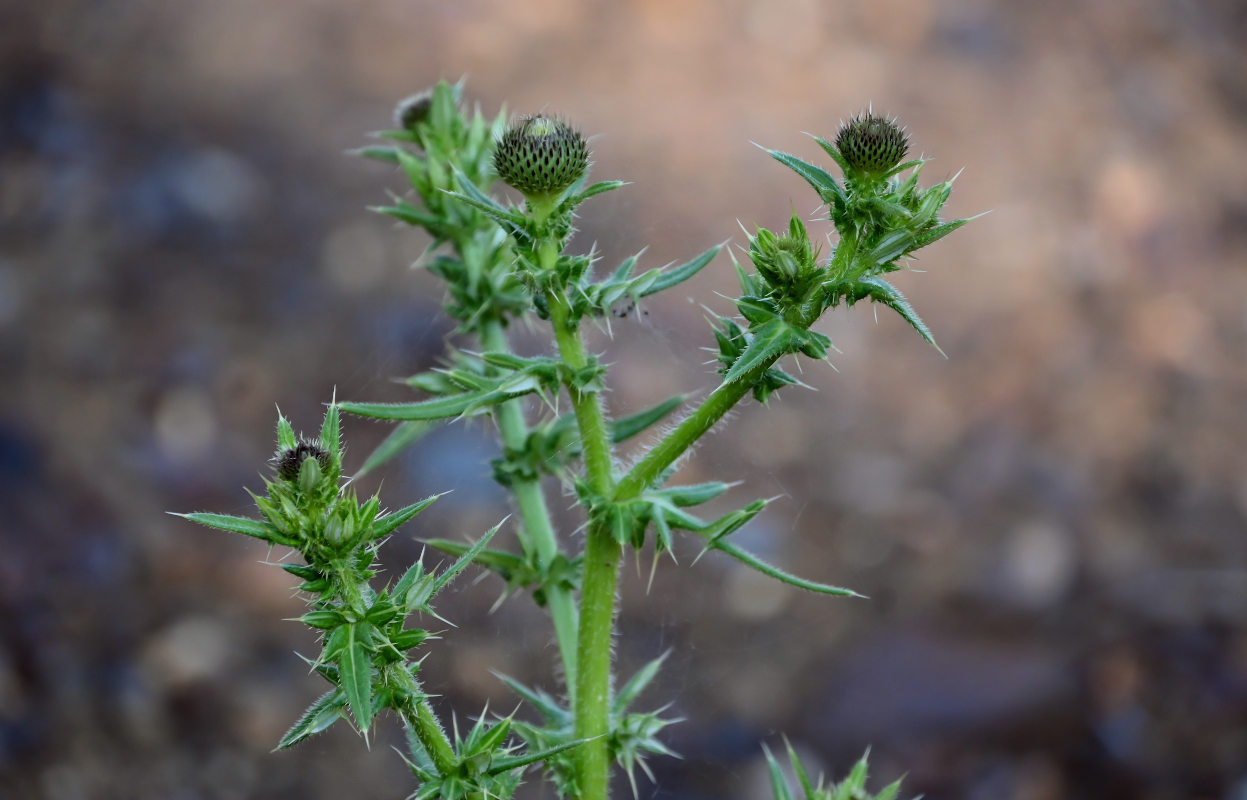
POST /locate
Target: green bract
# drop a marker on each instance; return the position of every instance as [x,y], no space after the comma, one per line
[541,156]
[502,264]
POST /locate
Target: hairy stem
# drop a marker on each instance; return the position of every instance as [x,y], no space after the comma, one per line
[419,715]
[534,514]
[591,701]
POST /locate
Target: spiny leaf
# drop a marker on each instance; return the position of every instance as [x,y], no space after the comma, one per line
[356,674]
[750,560]
[319,715]
[439,407]
[637,684]
[390,522]
[225,522]
[331,431]
[467,558]
[884,292]
[770,341]
[595,189]
[627,427]
[405,212]
[938,232]
[825,185]
[677,275]
[505,764]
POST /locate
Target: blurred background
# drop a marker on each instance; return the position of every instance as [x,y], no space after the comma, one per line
[1051,524]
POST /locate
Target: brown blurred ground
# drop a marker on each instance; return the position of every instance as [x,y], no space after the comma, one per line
[1052,523]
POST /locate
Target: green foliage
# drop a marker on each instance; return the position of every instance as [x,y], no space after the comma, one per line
[853,787]
[502,264]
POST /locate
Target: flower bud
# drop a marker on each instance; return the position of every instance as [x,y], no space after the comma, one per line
[784,261]
[290,461]
[871,144]
[413,110]
[541,156]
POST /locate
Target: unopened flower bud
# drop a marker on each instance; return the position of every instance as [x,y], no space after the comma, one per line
[413,110]
[872,144]
[290,461]
[541,156]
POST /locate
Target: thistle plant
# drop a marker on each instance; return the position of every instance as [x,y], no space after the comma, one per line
[504,264]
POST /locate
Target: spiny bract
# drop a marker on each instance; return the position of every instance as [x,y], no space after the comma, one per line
[541,156]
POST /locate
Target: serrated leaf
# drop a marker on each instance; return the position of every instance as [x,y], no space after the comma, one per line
[399,440]
[285,435]
[677,275]
[331,432]
[507,764]
[226,522]
[508,565]
[757,309]
[625,696]
[750,560]
[596,189]
[824,184]
[328,709]
[390,522]
[938,232]
[883,292]
[625,269]
[355,669]
[465,559]
[437,408]
[323,619]
[770,341]
[830,149]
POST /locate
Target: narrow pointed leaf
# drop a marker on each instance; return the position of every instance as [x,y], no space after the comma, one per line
[595,189]
[884,292]
[778,574]
[676,275]
[467,558]
[356,673]
[331,430]
[779,787]
[506,764]
[437,408]
[935,234]
[375,153]
[625,697]
[623,429]
[405,212]
[770,341]
[319,715]
[390,522]
[225,522]
[825,185]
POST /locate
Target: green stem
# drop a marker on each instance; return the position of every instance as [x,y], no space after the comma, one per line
[534,514]
[419,715]
[600,579]
[694,426]
[597,623]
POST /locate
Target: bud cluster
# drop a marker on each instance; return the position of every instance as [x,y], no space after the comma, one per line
[788,262]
